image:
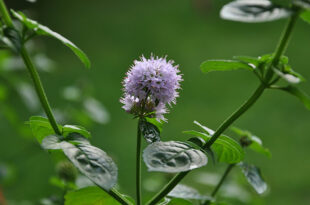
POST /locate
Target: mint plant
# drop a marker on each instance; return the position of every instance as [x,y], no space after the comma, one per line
[150,87]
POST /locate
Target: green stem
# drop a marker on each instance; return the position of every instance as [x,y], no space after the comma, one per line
[119,197]
[5,14]
[39,89]
[282,45]
[138,166]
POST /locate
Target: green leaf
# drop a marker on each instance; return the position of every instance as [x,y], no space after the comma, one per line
[43,30]
[226,149]
[253,11]
[254,177]
[179,202]
[186,192]
[89,196]
[172,157]
[305,16]
[149,131]
[41,127]
[290,76]
[155,122]
[251,141]
[67,129]
[223,65]
[89,160]
[301,95]
[251,61]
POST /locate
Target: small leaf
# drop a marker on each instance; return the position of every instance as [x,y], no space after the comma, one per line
[155,122]
[206,129]
[251,61]
[186,192]
[302,96]
[290,76]
[67,129]
[89,196]
[43,30]
[173,157]
[93,163]
[305,16]
[149,131]
[305,4]
[251,141]
[253,11]
[254,177]
[41,127]
[223,65]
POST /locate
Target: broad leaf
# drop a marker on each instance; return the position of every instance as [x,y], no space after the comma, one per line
[89,160]
[186,192]
[254,177]
[305,16]
[177,201]
[149,131]
[43,30]
[251,141]
[93,163]
[173,157]
[253,11]
[302,96]
[41,127]
[89,196]
[223,65]
[67,129]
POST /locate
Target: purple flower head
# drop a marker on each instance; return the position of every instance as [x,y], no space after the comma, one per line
[149,85]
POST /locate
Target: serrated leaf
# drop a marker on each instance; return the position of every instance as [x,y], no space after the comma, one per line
[305,4]
[253,11]
[179,202]
[302,96]
[251,141]
[93,163]
[226,149]
[89,196]
[43,30]
[305,16]
[223,65]
[186,192]
[149,131]
[172,157]
[254,177]
[41,127]
[67,129]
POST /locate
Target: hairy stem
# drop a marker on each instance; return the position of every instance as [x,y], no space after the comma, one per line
[138,165]
[282,45]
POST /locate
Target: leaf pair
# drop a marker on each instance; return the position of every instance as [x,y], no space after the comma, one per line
[226,149]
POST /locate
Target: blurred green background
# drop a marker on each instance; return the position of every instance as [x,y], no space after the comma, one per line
[113,34]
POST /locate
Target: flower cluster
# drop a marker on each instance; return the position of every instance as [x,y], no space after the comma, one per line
[150,85]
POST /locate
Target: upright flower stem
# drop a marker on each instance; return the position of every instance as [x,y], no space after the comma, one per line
[138,166]
[42,96]
[282,45]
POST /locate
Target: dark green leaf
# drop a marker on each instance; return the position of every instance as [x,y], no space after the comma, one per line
[89,196]
[254,177]
[179,202]
[41,127]
[43,30]
[149,131]
[186,192]
[305,16]
[223,65]
[251,141]
[253,11]
[173,157]
[67,129]
[302,96]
